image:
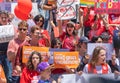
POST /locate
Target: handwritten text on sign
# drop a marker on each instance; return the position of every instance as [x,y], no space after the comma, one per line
[66,9]
[7,33]
[66,59]
[107,6]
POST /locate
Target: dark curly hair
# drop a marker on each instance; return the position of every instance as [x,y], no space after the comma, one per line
[29,63]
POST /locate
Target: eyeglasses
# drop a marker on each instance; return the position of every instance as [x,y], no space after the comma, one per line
[22,29]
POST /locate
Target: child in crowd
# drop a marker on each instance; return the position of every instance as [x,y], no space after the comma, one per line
[30,73]
[45,72]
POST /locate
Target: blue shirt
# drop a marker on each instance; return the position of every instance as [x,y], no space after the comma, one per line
[43,81]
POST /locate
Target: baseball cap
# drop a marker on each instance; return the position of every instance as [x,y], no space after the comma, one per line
[84,39]
[43,66]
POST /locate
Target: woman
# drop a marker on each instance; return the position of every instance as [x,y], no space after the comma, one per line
[30,73]
[98,63]
[69,37]
[45,38]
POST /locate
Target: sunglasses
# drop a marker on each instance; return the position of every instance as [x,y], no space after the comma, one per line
[22,29]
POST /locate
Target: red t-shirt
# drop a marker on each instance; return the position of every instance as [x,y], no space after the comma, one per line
[90,20]
[98,30]
[43,41]
[29,76]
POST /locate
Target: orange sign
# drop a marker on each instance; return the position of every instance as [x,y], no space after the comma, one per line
[56,32]
[27,50]
[2,75]
[50,2]
[66,59]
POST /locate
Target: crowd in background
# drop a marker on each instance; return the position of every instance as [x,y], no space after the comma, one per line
[98,28]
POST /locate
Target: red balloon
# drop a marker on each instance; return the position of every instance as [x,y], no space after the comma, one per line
[1,1]
[25,5]
[20,14]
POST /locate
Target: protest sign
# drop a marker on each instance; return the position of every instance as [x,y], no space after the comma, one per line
[66,59]
[90,78]
[52,50]
[107,46]
[107,6]
[27,50]
[51,2]
[5,6]
[7,33]
[66,9]
[87,2]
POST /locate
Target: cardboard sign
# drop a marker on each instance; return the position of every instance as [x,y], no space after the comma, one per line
[52,50]
[27,50]
[56,32]
[7,33]
[107,6]
[107,46]
[66,59]
[66,9]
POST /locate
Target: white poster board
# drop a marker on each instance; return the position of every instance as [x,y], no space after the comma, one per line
[66,9]
[107,46]
[90,78]
[7,33]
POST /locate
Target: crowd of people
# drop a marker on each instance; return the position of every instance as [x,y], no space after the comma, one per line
[98,28]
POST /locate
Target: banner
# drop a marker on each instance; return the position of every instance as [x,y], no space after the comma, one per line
[7,33]
[90,78]
[107,46]
[87,2]
[66,59]
[107,6]
[66,9]
[27,50]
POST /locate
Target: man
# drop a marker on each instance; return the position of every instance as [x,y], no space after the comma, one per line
[3,49]
[84,58]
